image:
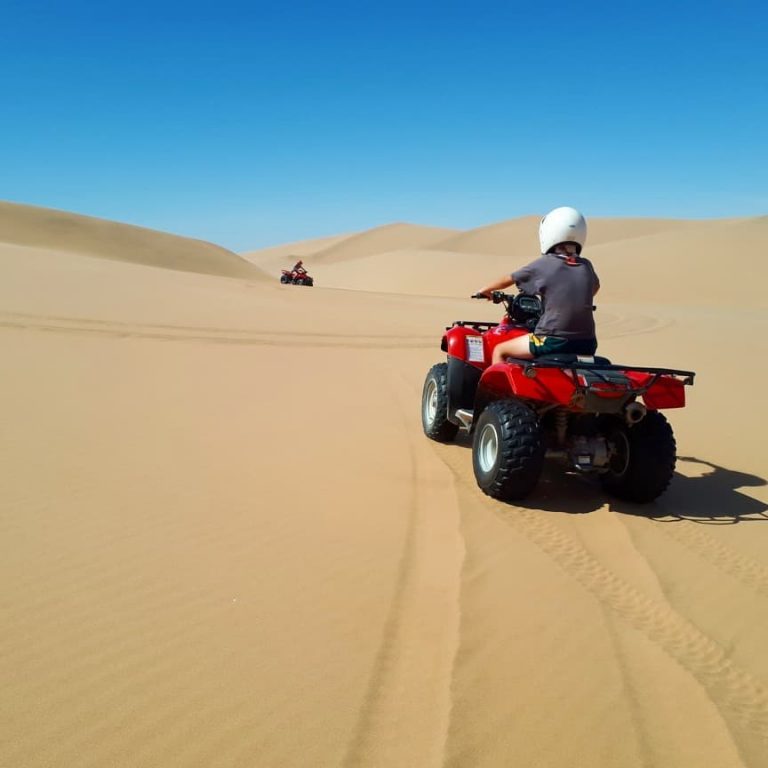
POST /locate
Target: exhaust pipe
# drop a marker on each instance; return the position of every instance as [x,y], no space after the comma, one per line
[634,412]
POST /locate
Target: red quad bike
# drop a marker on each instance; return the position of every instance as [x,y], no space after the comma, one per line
[296,277]
[581,410]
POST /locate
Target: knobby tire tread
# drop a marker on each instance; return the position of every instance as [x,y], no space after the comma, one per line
[652,460]
[441,430]
[521,451]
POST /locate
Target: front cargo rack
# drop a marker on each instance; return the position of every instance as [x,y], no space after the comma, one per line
[478,325]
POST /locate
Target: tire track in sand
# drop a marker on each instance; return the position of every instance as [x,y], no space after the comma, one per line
[746,571]
[209,335]
[741,699]
[615,325]
[405,715]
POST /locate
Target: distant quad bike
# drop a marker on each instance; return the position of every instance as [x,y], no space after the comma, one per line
[581,410]
[296,277]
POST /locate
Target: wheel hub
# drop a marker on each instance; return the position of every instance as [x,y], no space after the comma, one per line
[430,402]
[488,448]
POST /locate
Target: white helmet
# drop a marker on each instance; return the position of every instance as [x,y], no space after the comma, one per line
[563,225]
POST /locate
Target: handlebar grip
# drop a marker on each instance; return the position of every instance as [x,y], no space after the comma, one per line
[478,296]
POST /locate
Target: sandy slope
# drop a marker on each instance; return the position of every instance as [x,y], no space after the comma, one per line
[342,248]
[272,260]
[385,238]
[718,264]
[46,228]
[225,541]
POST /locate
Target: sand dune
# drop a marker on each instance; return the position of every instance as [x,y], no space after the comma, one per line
[340,248]
[519,237]
[343,248]
[403,258]
[302,247]
[415,271]
[709,264]
[226,541]
[28,225]
[684,264]
[386,238]
[272,260]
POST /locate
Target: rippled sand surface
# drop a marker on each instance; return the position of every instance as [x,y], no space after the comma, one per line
[226,542]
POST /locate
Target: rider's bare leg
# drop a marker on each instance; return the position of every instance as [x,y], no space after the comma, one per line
[517,347]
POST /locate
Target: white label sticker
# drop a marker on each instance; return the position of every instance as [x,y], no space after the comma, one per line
[475,349]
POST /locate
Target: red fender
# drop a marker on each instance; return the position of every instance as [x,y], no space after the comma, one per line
[552,385]
[456,345]
[474,353]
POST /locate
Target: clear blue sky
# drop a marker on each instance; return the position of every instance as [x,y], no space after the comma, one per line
[256,123]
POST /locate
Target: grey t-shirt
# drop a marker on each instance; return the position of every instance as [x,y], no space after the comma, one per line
[566,290]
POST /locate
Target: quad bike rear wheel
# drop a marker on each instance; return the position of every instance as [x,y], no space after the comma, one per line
[507,451]
[434,405]
[642,459]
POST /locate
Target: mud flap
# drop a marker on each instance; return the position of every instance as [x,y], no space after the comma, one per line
[462,386]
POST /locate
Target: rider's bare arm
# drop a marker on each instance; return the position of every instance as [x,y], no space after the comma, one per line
[499,285]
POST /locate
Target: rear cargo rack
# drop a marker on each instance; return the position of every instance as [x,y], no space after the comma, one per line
[597,369]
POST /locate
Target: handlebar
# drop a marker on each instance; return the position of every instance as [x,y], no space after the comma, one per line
[496,296]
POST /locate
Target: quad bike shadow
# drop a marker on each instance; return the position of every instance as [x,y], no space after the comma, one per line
[710,497]
[700,492]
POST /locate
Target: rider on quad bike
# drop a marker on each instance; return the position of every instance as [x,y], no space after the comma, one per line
[296,276]
[566,283]
[530,387]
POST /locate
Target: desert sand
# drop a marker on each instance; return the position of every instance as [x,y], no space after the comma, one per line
[226,541]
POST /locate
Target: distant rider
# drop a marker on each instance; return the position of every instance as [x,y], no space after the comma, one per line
[566,283]
[298,268]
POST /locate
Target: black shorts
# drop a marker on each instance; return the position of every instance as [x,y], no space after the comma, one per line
[557,345]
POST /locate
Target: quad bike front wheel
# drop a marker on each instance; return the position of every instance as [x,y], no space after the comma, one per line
[434,405]
[642,458]
[507,451]
[284,279]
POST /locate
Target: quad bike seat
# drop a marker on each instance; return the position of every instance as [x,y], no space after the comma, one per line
[583,361]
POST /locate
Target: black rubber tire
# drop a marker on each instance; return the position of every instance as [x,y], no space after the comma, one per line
[434,405]
[646,472]
[309,281]
[284,279]
[512,471]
